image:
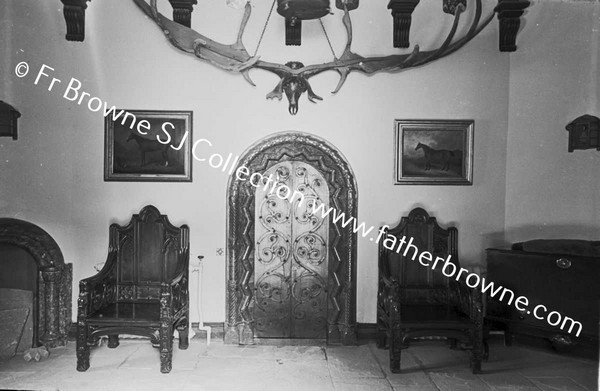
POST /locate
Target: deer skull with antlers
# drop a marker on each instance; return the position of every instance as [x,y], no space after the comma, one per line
[294,75]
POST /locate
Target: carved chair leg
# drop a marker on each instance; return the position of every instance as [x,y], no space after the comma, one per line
[396,339]
[476,366]
[486,350]
[395,362]
[82,347]
[508,338]
[477,352]
[113,341]
[381,338]
[166,348]
[93,341]
[486,336]
[155,339]
[183,331]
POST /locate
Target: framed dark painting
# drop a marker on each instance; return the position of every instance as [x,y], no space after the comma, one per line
[433,152]
[146,145]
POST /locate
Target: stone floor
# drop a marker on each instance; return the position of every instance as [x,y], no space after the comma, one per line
[427,365]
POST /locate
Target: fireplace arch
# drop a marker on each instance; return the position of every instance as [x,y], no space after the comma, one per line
[52,314]
[343,196]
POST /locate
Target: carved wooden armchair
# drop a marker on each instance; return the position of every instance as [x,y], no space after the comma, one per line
[142,288]
[419,301]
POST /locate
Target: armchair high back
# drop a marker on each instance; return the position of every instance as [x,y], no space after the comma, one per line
[141,290]
[415,299]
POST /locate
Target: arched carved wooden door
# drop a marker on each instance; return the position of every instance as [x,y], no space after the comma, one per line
[335,264]
[291,253]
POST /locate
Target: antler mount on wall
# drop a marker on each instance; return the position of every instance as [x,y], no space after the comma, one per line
[294,75]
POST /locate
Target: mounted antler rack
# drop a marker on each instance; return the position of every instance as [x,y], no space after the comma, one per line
[294,75]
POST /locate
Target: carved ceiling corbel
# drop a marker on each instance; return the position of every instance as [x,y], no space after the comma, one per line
[74,12]
[402,13]
[509,16]
[182,11]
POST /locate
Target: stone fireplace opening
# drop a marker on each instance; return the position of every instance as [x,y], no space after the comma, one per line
[36,283]
[18,291]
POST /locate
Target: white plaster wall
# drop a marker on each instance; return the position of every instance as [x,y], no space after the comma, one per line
[551,193]
[53,175]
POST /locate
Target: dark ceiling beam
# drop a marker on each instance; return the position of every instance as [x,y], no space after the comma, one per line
[74,12]
[182,11]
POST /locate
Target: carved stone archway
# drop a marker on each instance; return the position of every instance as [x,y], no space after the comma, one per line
[291,146]
[53,311]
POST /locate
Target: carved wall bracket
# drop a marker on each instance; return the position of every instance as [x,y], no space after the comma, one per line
[182,11]
[402,13]
[74,12]
[509,14]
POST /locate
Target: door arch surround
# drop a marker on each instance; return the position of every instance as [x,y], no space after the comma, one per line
[343,196]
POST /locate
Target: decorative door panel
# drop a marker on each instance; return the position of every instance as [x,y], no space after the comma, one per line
[291,253]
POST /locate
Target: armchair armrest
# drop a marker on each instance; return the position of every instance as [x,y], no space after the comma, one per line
[182,269]
[177,279]
[391,297]
[98,290]
[105,273]
[174,293]
[470,301]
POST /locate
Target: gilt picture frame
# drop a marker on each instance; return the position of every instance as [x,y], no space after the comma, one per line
[148,146]
[433,152]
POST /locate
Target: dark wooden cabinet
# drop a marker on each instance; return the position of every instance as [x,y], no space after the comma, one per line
[566,285]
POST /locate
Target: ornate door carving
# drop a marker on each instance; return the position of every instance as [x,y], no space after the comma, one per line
[291,253]
[336,176]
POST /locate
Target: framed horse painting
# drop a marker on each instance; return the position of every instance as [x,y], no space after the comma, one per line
[433,152]
[146,145]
